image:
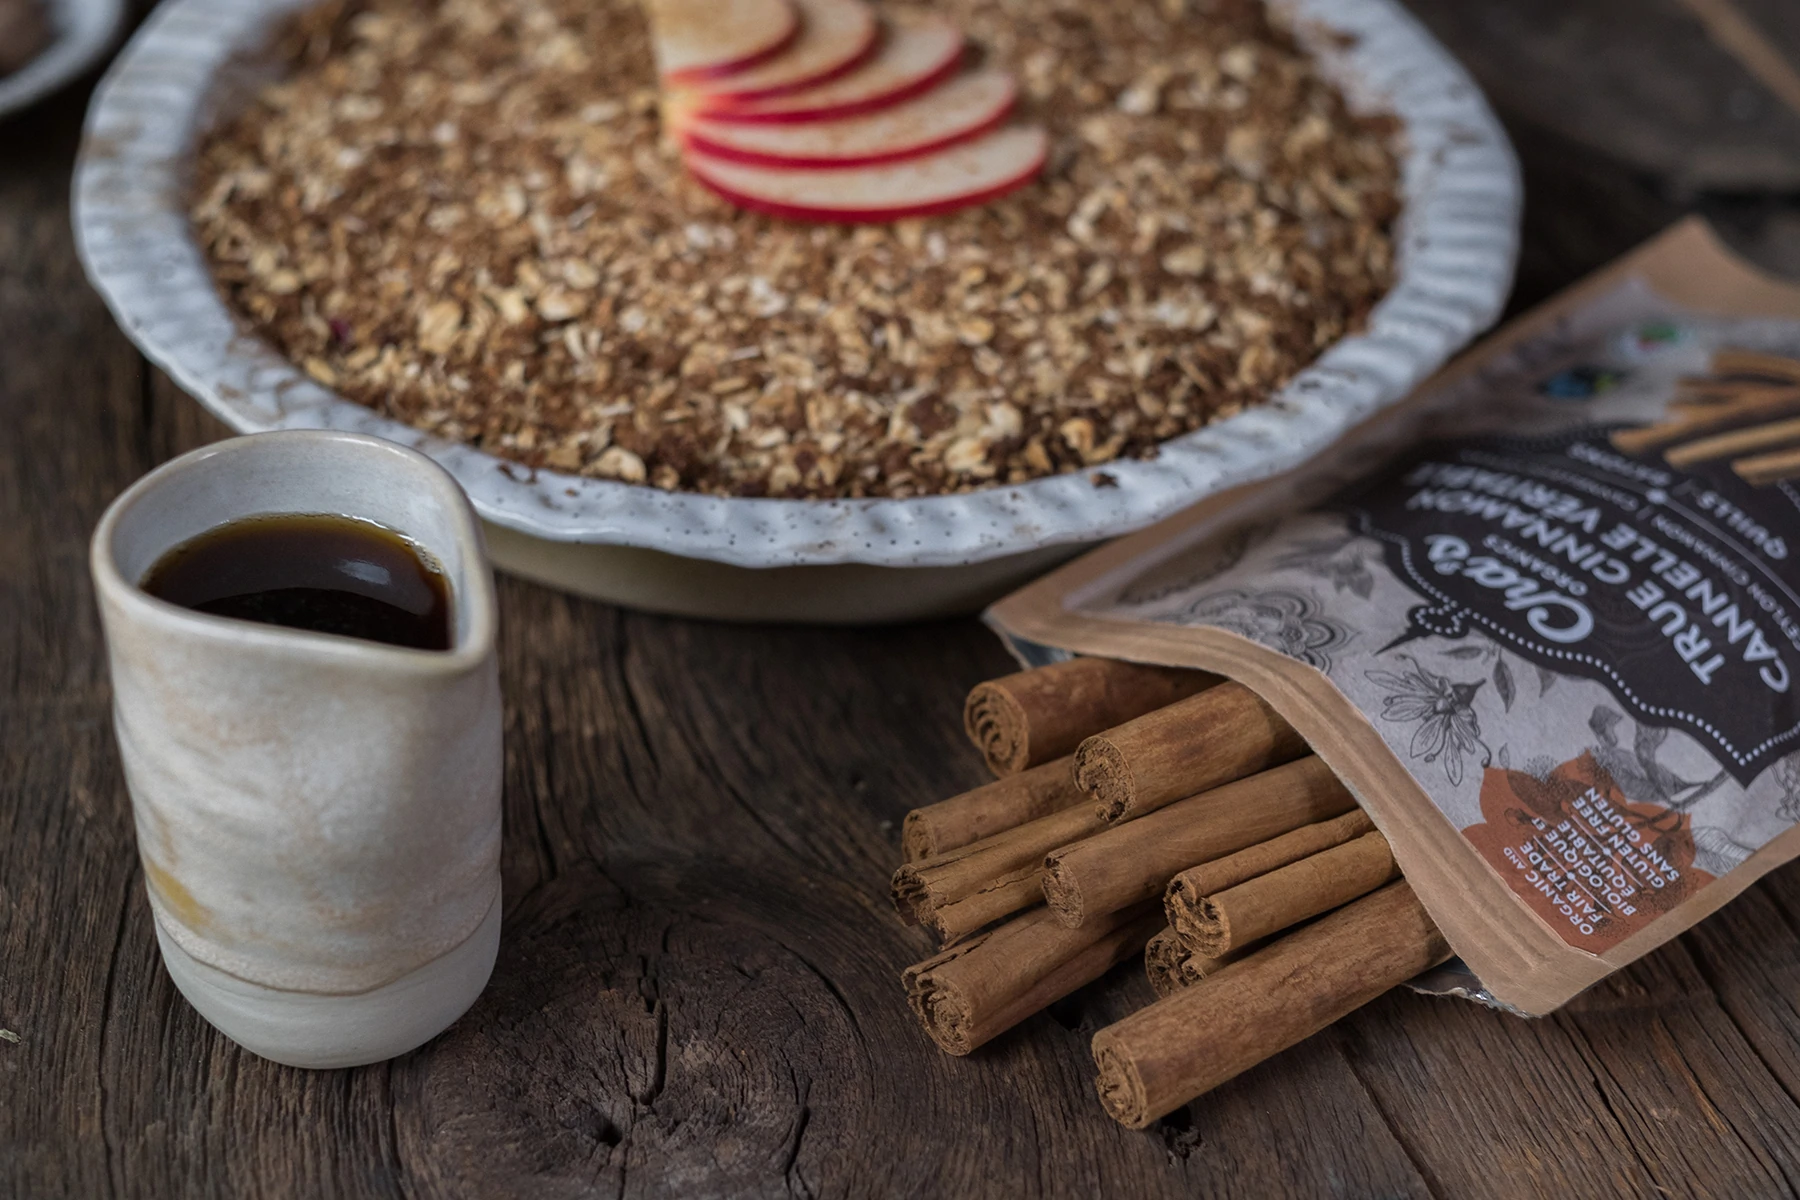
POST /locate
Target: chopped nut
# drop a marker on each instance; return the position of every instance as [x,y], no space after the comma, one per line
[1144,96]
[1005,420]
[1189,260]
[783,476]
[1239,62]
[566,457]
[974,331]
[1244,150]
[438,326]
[620,463]
[510,305]
[965,454]
[578,274]
[1078,432]
[560,304]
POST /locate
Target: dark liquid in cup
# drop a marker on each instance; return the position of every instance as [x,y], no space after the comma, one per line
[321,573]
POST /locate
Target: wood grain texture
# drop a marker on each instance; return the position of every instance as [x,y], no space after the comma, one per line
[1638,80]
[698,993]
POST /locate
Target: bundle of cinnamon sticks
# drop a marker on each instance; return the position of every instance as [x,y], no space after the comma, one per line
[1165,812]
[1746,411]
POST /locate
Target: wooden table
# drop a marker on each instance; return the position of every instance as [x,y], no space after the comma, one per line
[698,990]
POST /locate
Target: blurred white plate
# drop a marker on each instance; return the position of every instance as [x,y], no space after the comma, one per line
[83,32]
[837,560]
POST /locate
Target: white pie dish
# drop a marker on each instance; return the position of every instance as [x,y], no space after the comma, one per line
[834,560]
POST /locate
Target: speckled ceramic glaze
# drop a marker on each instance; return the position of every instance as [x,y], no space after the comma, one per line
[195,59]
[318,817]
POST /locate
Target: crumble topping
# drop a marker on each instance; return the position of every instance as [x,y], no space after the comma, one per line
[464,215]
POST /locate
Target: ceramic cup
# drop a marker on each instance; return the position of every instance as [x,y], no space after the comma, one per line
[318,817]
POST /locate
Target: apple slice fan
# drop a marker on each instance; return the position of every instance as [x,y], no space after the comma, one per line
[820,110]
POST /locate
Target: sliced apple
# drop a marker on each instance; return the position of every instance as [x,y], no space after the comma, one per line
[836,37]
[969,174]
[697,40]
[917,53]
[964,108]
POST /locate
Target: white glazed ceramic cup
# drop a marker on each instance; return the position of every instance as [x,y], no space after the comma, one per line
[318,816]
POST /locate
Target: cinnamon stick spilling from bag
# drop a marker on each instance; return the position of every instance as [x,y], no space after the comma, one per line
[972,860]
[1714,419]
[1171,966]
[1188,891]
[921,888]
[1134,860]
[993,901]
[1222,734]
[1035,716]
[993,808]
[1188,1043]
[1271,832]
[1551,636]
[984,986]
[1734,362]
[1258,907]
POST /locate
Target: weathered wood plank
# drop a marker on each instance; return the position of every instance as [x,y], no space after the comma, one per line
[65,886]
[1489,1104]
[1750,958]
[1666,1058]
[1636,80]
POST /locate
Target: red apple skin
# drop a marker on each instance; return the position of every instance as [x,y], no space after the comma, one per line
[693,75]
[700,142]
[725,97]
[800,85]
[801,212]
[918,87]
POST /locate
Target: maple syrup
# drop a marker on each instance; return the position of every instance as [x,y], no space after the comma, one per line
[317,572]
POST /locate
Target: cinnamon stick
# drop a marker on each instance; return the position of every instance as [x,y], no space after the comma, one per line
[1756,364]
[991,902]
[1737,374]
[1222,734]
[1134,860]
[1187,891]
[1700,393]
[1760,469]
[1171,966]
[921,888]
[986,985]
[989,809]
[1182,1046]
[1287,896]
[1035,716]
[1774,435]
[1716,418]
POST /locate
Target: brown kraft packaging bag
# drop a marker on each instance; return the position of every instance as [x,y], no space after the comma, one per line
[1542,618]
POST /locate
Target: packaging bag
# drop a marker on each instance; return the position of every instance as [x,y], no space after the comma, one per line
[1543,618]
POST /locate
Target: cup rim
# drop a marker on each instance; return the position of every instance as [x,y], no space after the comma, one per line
[476,590]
